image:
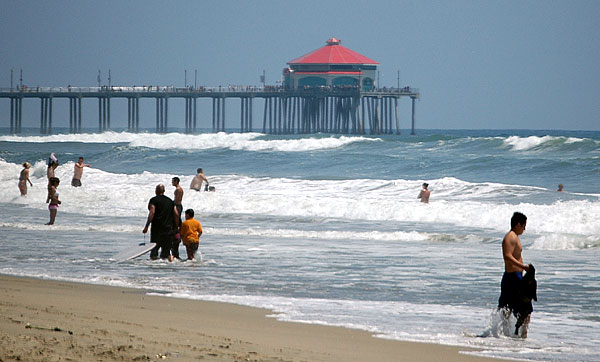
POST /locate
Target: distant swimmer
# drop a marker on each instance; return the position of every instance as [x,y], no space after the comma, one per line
[198,180]
[560,187]
[177,199]
[52,199]
[163,216]
[24,178]
[78,172]
[424,194]
[512,295]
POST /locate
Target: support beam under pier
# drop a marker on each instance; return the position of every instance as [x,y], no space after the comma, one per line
[75,114]
[43,115]
[162,114]
[103,114]
[412,130]
[397,116]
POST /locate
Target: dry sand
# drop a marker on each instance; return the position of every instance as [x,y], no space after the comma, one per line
[43,320]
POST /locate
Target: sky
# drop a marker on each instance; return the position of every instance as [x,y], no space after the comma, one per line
[531,64]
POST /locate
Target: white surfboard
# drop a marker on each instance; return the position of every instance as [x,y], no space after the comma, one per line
[134,251]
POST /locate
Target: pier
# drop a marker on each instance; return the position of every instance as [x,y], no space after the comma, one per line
[303,110]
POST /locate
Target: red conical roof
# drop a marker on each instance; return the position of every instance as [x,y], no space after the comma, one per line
[333,53]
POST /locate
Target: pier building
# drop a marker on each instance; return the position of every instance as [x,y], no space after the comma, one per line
[331,90]
[332,65]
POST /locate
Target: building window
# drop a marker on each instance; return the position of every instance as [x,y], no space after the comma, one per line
[311,81]
[341,81]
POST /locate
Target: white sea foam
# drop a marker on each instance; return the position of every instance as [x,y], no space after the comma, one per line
[327,234]
[386,319]
[234,141]
[82,227]
[246,141]
[303,144]
[565,241]
[257,232]
[105,137]
[574,223]
[9,171]
[518,143]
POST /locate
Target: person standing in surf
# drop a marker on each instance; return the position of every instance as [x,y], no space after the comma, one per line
[78,172]
[197,181]
[163,216]
[52,199]
[24,178]
[191,230]
[510,287]
[178,199]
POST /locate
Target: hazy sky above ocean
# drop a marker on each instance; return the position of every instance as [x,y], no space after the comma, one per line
[478,64]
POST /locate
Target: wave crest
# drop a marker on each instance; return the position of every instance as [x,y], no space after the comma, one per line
[517,143]
[234,141]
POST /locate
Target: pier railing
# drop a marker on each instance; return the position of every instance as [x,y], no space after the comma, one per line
[68,90]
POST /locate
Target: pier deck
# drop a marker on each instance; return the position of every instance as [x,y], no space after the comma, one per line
[307,110]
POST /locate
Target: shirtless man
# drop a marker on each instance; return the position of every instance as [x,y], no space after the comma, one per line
[78,172]
[513,269]
[177,198]
[197,181]
[424,194]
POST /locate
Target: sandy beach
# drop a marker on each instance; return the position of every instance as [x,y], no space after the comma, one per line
[44,320]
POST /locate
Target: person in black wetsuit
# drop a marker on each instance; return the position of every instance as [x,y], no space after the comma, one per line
[163,216]
[510,294]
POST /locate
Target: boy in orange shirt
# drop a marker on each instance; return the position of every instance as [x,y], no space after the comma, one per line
[190,233]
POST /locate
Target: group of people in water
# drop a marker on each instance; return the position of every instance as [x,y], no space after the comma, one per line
[52,197]
[167,229]
[517,291]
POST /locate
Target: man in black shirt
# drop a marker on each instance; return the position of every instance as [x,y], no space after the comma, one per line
[163,216]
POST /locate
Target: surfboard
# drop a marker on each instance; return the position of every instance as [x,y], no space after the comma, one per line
[134,251]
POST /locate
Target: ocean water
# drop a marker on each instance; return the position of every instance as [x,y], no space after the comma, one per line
[328,229]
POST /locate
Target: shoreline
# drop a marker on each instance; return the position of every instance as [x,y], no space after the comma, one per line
[48,320]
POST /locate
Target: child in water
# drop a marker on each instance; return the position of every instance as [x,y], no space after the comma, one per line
[190,233]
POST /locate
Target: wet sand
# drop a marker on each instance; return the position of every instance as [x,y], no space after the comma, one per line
[44,320]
